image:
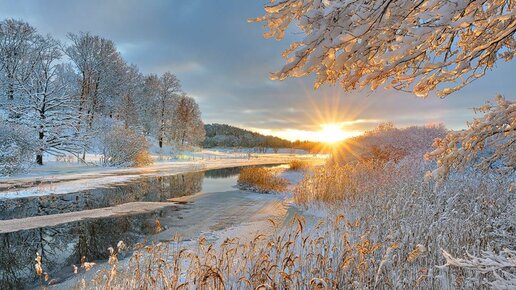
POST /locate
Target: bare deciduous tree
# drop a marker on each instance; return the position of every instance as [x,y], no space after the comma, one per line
[48,104]
[188,126]
[16,39]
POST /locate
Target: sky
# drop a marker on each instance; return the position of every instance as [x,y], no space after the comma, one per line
[224,62]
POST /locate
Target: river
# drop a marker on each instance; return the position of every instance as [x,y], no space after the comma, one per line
[190,205]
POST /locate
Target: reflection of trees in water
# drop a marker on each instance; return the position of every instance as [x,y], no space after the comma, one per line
[18,250]
[231,171]
[93,239]
[145,189]
[14,262]
[180,185]
[222,173]
[64,245]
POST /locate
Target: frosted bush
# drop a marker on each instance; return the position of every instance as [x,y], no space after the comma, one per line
[16,149]
[388,143]
[501,266]
[124,147]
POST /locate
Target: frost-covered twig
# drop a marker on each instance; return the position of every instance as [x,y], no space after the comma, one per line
[487,143]
[499,264]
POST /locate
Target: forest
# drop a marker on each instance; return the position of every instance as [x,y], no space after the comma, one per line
[82,97]
[222,135]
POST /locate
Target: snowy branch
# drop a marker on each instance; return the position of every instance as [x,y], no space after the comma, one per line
[404,44]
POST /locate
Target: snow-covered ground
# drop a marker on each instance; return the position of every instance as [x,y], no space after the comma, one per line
[219,210]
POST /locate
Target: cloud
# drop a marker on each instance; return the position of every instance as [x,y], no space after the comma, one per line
[224,62]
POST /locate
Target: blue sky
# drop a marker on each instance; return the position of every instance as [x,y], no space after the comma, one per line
[223,62]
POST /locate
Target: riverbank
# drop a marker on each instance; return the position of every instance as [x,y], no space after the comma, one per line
[66,178]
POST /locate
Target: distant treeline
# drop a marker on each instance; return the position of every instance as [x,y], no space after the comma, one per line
[222,135]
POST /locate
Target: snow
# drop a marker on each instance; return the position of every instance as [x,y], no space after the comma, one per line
[12,225]
[62,178]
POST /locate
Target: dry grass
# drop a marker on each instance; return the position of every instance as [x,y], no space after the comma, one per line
[330,256]
[261,179]
[298,165]
[391,203]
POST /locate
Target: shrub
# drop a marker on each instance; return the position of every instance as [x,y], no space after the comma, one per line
[16,149]
[124,147]
[261,179]
[142,158]
[298,165]
[388,143]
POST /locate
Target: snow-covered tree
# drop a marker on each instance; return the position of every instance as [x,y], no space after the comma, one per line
[188,126]
[16,39]
[148,111]
[16,148]
[169,90]
[99,64]
[48,105]
[66,104]
[488,142]
[412,45]
[131,100]
[101,70]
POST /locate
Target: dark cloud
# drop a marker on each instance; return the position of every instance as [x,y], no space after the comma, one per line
[224,62]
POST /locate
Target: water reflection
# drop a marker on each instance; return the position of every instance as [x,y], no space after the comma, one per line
[223,173]
[63,245]
[158,188]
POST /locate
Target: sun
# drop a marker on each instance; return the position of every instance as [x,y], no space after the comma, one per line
[332,133]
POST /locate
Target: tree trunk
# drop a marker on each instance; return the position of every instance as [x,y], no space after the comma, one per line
[39,159]
[162,125]
[10,94]
[10,87]
[39,156]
